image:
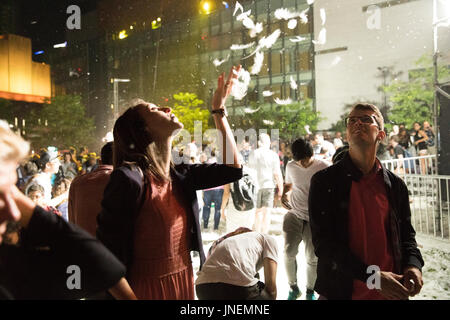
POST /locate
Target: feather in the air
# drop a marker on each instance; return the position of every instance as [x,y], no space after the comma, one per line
[283,102]
[258,62]
[322,37]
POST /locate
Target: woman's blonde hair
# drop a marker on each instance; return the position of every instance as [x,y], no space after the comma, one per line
[12,146]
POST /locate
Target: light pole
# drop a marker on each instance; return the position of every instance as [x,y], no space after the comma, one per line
[115,82]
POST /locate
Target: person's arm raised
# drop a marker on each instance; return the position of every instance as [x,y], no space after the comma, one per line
[230,151]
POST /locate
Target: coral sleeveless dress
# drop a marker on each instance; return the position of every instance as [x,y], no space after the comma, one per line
[162,267]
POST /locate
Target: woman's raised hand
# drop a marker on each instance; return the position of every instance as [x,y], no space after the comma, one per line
[224,88]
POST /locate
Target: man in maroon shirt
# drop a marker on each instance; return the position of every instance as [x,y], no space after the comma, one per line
[86,192]
[361,221]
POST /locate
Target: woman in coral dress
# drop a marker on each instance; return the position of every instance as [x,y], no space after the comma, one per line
[150,213]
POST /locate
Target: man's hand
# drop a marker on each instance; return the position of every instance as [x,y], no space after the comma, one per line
[412,280]
[391,286]
[285,202]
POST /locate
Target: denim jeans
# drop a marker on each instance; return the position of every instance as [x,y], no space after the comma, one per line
[209,197]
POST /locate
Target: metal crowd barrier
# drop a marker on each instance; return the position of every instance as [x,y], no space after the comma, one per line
[429,194]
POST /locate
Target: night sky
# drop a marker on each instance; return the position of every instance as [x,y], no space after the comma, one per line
[44,21]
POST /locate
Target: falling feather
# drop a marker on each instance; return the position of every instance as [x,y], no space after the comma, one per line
[244,15]
[303,16]
[241,46]
[285,14]
[283,102]
[323,15]
[293,84]
[270,40]
[218,62]
[292,24]
[240,85]
[257,28]
[297,39]
[258,62]
[322,37]
[267,93]
[238,7]
[268,122]
[250,110]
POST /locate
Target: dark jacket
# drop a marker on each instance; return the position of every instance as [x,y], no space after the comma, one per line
[125,192]
[328,210]
[40,267]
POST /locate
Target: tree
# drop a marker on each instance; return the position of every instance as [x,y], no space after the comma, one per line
[289,119]
[187,108]
[61,122]
[413,100]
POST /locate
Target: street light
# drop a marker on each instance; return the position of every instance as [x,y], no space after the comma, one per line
[115,82]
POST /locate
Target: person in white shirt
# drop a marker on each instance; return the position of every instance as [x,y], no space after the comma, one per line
[266,163]
[230,270]
[296,227]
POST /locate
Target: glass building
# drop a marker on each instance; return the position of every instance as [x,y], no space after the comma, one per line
[173,54]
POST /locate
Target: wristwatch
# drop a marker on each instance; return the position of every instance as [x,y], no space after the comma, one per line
[222,111]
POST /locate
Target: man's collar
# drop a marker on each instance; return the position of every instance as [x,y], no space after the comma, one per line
[355,174]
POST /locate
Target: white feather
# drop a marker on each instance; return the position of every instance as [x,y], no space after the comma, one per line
[250,110]
[303,16]
[297,39]
[323,15]
[238,7]
[243,15]
[322,37]
[258,62]
[285,14]
[242,46]
[267,93]
[218,62]
[292,24]
[258,28]
[283,102]
[294,85]
[268,122]
[310,2]
[270,40]
[240,85]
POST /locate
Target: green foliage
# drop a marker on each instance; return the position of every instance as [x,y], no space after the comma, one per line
[67,123]
[290,119]
[413,100]
[188,108]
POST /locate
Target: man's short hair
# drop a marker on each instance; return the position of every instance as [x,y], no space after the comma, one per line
[370,107]
[301,149]
[106,153]
[12,146]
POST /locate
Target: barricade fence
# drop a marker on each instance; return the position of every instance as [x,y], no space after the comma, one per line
[429,194]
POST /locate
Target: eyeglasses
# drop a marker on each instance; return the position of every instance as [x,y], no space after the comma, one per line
[363,119]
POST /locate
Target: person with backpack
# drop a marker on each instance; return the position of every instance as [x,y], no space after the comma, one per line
[239,202]
[296,227]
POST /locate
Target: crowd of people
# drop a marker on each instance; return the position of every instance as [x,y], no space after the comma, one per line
[133,220]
